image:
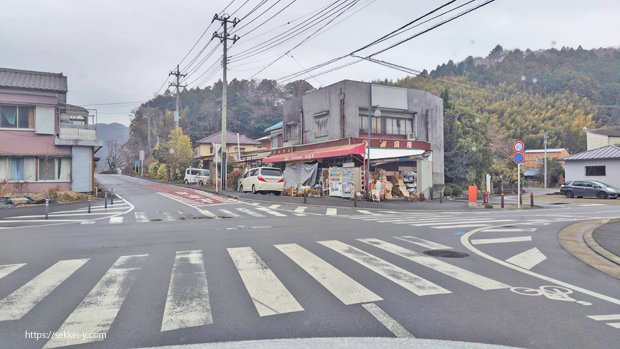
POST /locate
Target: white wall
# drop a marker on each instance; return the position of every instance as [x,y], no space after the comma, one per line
[81,168]
[576,171]
[44,120]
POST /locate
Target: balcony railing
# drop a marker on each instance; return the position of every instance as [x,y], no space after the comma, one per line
[76,132]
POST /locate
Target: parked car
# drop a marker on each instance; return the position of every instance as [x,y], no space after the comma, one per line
[262,180]
[197,175]
[589,189]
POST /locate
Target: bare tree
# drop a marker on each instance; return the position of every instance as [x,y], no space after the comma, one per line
[116,157]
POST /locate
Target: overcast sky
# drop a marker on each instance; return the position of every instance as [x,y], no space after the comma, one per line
[121,51]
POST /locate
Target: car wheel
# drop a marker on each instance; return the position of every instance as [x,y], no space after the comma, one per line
[601,195]
[277,193]
[253,189]
[200,183]
[570,194]
[186,182]
[241,188]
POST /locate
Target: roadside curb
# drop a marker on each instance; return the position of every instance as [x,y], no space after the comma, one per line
[577,240]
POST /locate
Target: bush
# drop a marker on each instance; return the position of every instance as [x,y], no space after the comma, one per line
[455,189]
[162,172]
[152,169]
[447,191]
[233,179]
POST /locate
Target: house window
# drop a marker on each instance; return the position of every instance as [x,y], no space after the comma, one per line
[292,132]
[274,142]
[47,170]
[595,170]
[398,126]
[376,124]
[321,127]
[16,116]
[16,169]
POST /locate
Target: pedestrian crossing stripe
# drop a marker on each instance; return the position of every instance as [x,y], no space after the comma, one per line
[8,269]
[116,220]
[607,317]
[271,212]
[331,211]
[424,243]
[250,212]
[228,213]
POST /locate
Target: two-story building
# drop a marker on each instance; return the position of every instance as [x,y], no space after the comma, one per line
[206,147]
[45,143]
[331,125]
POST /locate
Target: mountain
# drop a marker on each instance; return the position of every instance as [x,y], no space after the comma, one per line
[108,134]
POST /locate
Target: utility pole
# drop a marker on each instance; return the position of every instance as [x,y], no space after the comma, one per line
[148,133]
[224,37]
[178,85]
[545,161]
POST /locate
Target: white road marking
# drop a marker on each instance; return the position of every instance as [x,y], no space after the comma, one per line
[9,268]
[476,280]
[614,324]
[528,259]
[2,221]
[273,207]
[228,213]
[187,303]
[269,295]
[331,211]
[206,213]
[343,287]
[271,212]
[462,226]
[301,209]
[249,212]
[501,240]
[141,217]
[167,217]
[392,325]
[424,243]
[99,308]
[87,222]
[255,204]
[400,276]
[452,222]
[508,230]
[609,317]
[369,213]
[22,300]
[116,220]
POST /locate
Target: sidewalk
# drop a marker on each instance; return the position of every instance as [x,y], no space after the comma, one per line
[577,239]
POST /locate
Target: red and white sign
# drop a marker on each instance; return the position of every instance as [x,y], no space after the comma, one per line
[518,147]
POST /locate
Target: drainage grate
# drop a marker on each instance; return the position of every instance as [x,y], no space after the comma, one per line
[446,253]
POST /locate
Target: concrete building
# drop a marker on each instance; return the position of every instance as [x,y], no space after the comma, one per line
[45,143]
[600,164]
[602,137]
[206,147]
[406,126]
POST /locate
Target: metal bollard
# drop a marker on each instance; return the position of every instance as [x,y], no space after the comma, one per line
[441,197]
[112,197]
[531,199]
[105,200]
[520,199]
[502,200]
[47,207]
[88,203]
[305,196]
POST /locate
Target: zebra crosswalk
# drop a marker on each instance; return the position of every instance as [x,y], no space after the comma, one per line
[189,295]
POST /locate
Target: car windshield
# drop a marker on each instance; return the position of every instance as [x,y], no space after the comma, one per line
[322,173]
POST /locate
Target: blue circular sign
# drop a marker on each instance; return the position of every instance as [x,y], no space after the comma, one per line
[518,158]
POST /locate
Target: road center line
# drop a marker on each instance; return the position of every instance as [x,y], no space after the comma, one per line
[392,325]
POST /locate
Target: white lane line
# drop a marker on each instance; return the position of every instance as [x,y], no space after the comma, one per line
[271,212]
[22,300]
[206,213]
[528,259]
[273,207]
[167,217]
[331,211]
[183,214]
[255,204]
[99,308]
[9,268]
[501,240]
[476,280]
[38,220]
[187,303]
[141,217]
[424,243]
[228,213]
[301,209]
[392,325]
[269,295]
[508,230]
[343,287]
[116,220]
[88,222]
[462,226]
[465,221]
[609,317]
[369,213]
[249,212]
[614,324]
[400,276]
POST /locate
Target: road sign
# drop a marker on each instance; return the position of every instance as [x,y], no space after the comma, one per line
[518,146]
[518,158]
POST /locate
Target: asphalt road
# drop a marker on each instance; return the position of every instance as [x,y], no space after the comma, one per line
[169,265]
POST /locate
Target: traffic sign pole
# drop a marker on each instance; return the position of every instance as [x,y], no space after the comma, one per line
[519,185]
[518,158]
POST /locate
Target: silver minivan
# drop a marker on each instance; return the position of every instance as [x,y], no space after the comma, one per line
[197,176]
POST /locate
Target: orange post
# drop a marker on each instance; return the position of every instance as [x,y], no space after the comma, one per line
[473,193]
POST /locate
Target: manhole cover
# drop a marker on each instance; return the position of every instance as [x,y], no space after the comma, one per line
[446,254]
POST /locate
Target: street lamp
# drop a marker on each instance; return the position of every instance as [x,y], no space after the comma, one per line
[377,113]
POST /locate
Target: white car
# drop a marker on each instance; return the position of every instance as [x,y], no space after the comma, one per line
[197,175]
[262,180]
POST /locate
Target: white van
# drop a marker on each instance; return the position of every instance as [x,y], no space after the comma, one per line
[197,175]
[262,180]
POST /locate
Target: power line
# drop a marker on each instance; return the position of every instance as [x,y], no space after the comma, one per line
[262,13]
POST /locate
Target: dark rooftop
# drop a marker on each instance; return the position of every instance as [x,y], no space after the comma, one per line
[611,151]
[32,80]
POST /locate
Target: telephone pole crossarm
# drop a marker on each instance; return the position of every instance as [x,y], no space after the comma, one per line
[177,74]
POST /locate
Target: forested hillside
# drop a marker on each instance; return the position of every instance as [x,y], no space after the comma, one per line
[489,102]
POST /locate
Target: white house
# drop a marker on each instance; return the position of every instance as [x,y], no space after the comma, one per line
[601,164]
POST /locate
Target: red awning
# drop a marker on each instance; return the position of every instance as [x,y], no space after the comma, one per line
[312,154]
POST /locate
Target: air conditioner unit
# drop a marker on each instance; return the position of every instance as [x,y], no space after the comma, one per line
[411,137]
